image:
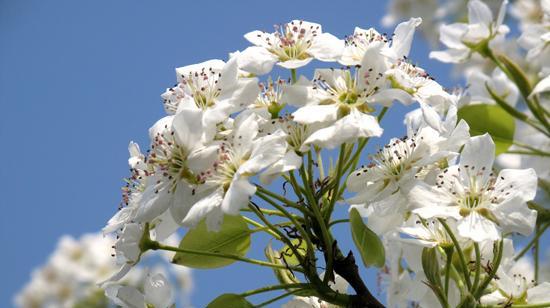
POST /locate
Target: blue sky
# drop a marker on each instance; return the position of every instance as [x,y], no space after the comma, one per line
[79,79]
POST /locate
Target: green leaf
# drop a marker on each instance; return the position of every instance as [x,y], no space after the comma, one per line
[490,119]
[289,256]
[230,300]
[233,238]
[369,244]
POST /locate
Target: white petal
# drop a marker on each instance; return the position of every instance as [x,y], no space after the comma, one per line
[477,156]
[326,47]
[257,38]
[291,161]
[539,294]
[542,86]
[265,151]
[520,183]
[237,196]
[479,13]
[494,298]
[293,64]
[478,228]
[347,129]
[298,94]
[215,64]
[514,216]
[316,114]
[187,126]
[387,96]
[451,35]
[403,37]
[423,195]
[450,55]
[158,291]
[203,207]
[125,296]
[257,60]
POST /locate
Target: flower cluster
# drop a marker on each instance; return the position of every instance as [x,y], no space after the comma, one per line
[430,197]
[69,278]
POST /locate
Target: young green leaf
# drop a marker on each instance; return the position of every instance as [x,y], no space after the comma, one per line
[490,119]
[233,238]
[369,244]
[230,300]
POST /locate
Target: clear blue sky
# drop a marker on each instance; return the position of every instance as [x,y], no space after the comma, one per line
[79,79]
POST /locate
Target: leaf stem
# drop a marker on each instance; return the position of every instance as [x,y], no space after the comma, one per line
[160,246]
[461,257]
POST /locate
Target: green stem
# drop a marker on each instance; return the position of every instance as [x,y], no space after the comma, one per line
[538,234]
[519,152]
[274,288]
[337,221]
[536,256]
[478,267]
[449,262]
[297,224]
[276,299]
[335,194]
[492,274]
[156,246]
[266,212]
[293,75]
[461,257]
[284,239]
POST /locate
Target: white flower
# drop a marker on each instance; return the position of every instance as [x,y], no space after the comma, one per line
[70,276]
[340,285]
[460,38]
[296,135]
[225,187]
[498,82]
[341,100]
[415,81]
[291,46]
[535,36]
[427,232]
[516,285]
[212,86]
[483,204]
[428,10]
[157,291]
[362,40]
[177,157]
[127,250]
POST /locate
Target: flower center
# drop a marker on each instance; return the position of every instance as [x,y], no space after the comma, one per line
[202,86]
[396,157]
[292,41]
[170,159]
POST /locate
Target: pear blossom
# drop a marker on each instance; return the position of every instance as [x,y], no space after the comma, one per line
[70,275]
[339,285]
[225,187]
[426,232]
[535,35]
[291,46]
[212,86]
[397,47]
[127,250]
[342,100]
[498,82]
[157,292]
[296,135]
[461,38]
[484,205]
[131,192]
[516,285]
